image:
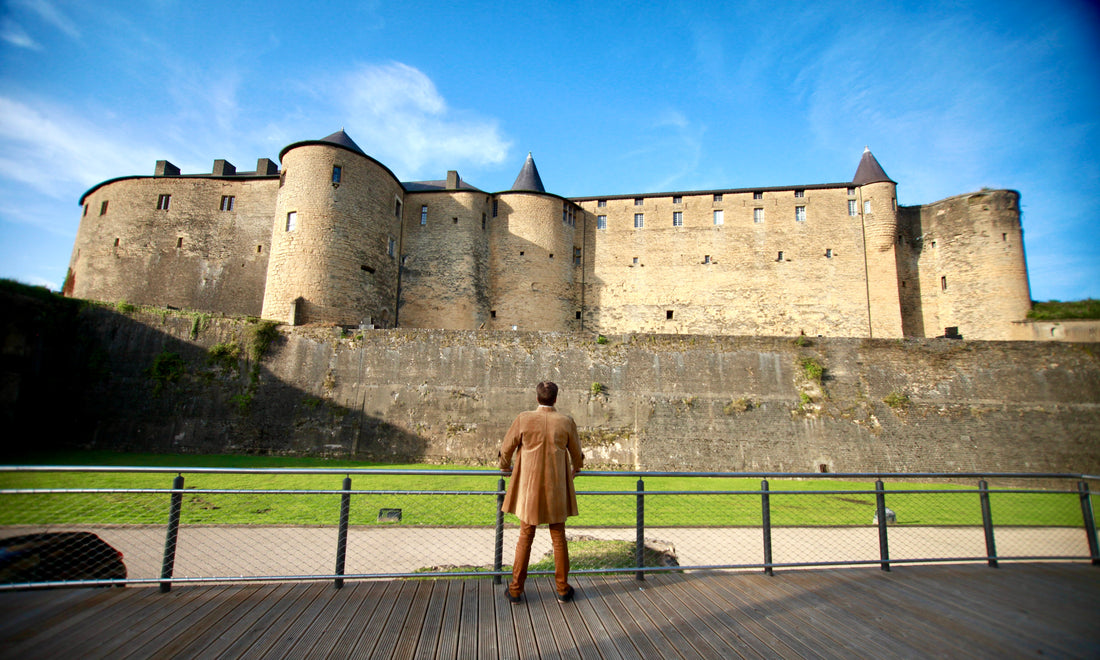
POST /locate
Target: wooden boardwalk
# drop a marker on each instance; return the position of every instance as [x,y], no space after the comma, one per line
[1018,610]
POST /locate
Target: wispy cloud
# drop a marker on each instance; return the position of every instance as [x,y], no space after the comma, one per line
[14,34]
[49,13]
[397,114]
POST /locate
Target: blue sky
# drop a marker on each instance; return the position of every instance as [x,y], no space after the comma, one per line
[610,97]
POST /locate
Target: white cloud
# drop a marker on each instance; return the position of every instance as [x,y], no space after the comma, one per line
[45,146]
[50,14]
[14,34]
[397,115]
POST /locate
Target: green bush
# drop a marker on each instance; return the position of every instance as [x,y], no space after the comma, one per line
[812,369]
[167,368]
[1054,310]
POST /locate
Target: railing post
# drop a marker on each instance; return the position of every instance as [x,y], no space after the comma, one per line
[342,534]
[639,543]
[766,513]
[1090,521]
[987,523]
[880,508]
[498,547]
[169,562]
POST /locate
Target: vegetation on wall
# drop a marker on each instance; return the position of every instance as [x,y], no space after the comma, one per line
[167,368]
[1054,310]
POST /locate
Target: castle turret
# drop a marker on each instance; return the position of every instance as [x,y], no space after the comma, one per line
[876,195]
[531,273]
[335,239]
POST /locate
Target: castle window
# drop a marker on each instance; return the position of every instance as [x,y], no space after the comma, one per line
[668,314]
[551,255]
[336,172]
[454,220]
[179,242]
[576,256]
[758,215]
[638,201]
[259,249]
[495,208]
[853,207]
[483,221]
[424,214]
[391,246]
[367,269]
[829,255]
[116,242]
[718,197]
[867,206]
[492,313]
[800,193]
[163,201]
[601,203]
[634,263]
[719,217]
[677,219]
[800,214]
[291,220]
[282,178]
[601,222]
[639,220]
[706,258]
[677,200]
[943,283]
[933,243]
[851,192]
[564,215]
[758,195]
[85,209]
[1004,237]
[780,257]
[578,316]
[227,203]
[521,253]
[397,207]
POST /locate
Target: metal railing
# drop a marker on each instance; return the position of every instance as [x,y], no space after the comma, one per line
[84,526]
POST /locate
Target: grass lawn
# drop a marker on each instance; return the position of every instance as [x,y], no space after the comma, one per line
[846,503]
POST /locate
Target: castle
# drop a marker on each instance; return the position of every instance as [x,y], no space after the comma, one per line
[332,236]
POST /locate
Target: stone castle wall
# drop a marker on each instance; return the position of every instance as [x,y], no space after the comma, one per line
[191,255]
[340,260]
[704,403]
[445,260]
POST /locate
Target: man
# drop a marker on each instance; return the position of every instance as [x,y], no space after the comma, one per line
[541,489]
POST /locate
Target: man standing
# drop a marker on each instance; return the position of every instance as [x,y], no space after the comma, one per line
[541,489]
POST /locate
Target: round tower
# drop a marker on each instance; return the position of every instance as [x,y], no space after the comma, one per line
[335,238]
[531,273]
[877,199]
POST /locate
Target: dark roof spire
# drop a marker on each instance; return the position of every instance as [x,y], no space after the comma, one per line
[529,178]
[869,171]
[344,140]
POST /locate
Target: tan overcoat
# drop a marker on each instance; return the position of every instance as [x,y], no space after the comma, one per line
[544,442]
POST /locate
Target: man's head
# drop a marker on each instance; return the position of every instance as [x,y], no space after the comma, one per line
[547,393]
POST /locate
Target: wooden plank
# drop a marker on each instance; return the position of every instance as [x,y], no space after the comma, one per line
[467,638]
[602,631]
[190,641]
[341,643]
[245,630]
[383,631]
[547,634]
[16,608]
[565,637]
[329,622]
[695,634]
[760,633]
[525,628]
[297,628]
[507,626]
[486,615]
[716,613]
[282,627]
[62,623]
[428,639]
[90,631]
[448,632]
[413,628]
[190,610]
[669,642]
[167,609]
[632,644]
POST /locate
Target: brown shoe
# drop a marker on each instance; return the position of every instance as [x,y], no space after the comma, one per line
[567,596]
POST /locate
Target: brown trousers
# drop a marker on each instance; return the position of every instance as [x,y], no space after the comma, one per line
[523,557]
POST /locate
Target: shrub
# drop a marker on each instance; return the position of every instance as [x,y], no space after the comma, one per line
[737,406]
[600,339]
[124,307]
[262,334]
[226,355]
[167,368]
[597,388]
[812,369]
[896,400]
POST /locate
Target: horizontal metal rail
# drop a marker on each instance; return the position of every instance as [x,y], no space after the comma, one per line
[862,544]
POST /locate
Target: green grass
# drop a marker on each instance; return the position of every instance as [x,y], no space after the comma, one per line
[846,506]
[1054,310]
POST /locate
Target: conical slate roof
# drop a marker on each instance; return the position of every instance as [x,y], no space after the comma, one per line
[344,140]
[529,178]
[869,171]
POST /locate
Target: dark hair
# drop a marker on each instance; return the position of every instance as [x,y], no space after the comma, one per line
[546,393]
